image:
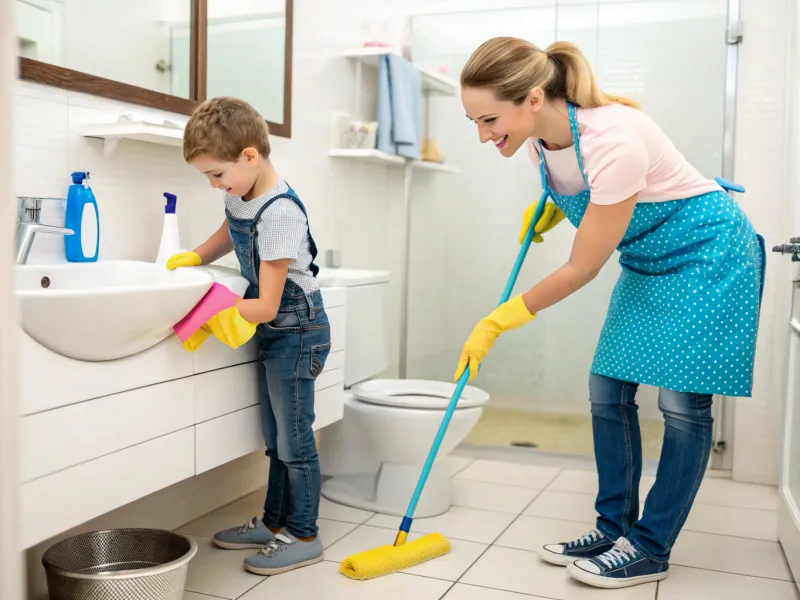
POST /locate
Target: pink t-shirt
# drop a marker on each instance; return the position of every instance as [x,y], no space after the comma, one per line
[625,154]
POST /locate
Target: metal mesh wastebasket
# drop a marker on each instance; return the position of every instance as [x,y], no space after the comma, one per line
[119,564]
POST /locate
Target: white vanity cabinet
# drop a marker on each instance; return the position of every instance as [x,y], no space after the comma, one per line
[96,436]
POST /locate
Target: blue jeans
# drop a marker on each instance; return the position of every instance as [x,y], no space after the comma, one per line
[618,452]
[293,350]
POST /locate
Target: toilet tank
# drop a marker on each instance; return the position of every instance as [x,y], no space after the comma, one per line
[366,331]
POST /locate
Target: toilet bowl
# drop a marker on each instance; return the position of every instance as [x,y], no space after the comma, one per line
[373,456]
[386,434]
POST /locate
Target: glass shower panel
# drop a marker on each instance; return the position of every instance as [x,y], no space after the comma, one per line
[670,55]
[646,49]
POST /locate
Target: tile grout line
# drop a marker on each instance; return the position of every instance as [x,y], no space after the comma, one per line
[462,469]
[492,544]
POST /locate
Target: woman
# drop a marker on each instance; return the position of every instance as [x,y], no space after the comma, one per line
[683,315]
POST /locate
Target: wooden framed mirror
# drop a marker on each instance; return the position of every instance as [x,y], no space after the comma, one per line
[164,54]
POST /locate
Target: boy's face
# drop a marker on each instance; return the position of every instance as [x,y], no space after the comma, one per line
[236,178]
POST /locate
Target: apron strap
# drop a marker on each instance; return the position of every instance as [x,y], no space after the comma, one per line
[576,143]
[572,111]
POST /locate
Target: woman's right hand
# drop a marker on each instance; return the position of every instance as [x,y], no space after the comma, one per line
[184,259]
[551,217]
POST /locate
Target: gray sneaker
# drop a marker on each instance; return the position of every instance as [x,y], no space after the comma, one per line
[253,534]
[284,553]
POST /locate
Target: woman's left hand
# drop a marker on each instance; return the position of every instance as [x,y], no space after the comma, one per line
[507,316]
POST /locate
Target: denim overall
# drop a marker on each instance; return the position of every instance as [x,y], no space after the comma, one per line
[683,317]
[292,351]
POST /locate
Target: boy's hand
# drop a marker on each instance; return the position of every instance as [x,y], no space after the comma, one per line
[184,259]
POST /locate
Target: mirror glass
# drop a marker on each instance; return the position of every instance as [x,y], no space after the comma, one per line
[131,42]
[246,53]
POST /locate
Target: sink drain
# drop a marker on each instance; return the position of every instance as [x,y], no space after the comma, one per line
[45,282]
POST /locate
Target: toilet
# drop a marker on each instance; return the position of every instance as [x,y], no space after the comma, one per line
[374,455]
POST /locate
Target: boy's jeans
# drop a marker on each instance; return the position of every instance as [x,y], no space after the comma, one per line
[618,452]
[293,350]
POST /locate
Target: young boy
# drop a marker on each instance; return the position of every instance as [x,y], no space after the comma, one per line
[266,225]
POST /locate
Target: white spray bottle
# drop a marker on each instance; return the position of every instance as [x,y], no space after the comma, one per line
[170,239]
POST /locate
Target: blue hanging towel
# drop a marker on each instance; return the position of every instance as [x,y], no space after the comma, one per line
[399,91]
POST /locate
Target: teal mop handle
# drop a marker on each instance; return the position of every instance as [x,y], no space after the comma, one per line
[462,381]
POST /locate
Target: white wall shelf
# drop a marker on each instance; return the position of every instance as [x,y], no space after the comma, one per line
[432,82]
[368,155]
[140,131]
[386,159]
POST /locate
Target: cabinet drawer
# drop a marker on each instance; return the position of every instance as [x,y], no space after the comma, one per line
[60,501]
[226,438]
[328,406]
[336,317]
[65,437]
[216,355]
[229,437]
[225,391]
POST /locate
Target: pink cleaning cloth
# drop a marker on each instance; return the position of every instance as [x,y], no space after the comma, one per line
[217,299]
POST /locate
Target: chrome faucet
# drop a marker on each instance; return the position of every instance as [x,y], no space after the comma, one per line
[28,226]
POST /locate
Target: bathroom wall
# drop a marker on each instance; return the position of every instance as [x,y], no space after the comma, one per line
[11,575]
[761,149]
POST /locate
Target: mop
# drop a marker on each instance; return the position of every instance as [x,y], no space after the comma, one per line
[388,559]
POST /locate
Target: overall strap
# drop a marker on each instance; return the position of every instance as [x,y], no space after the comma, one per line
[269,202]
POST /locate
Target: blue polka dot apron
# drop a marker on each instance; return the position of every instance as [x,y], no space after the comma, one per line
[684,312]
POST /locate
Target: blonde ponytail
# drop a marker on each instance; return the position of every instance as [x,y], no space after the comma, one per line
[513,67]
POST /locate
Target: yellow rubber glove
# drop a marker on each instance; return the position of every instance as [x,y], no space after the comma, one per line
[184,259]
[197,338]
[231,328]
[551,216]
[507,316]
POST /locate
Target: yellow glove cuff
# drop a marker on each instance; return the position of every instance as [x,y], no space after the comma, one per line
[511,314]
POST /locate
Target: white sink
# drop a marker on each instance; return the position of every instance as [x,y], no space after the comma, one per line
[105,310]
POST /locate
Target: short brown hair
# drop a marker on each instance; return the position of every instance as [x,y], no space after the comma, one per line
[223,127]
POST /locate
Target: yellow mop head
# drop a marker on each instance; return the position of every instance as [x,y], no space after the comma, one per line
[388,559]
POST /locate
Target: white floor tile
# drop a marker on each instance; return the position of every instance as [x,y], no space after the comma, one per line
[232,515]
[737,522]
[196,596]
[460,523]
[731,555]
[529,476]
[471,592]
[563,505]
[219,572]
[531,533]
[696,584]
[585,482]
[451,566]
[323,580]
[455,464]
[340,512]
[491,496]
[522,572]
[726,492]
[331,532]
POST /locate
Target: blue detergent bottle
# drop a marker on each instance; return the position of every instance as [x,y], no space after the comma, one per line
[83,218]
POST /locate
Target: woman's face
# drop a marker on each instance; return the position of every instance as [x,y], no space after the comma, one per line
[506,124]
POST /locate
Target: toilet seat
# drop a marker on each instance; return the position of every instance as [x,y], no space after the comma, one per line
[416,393]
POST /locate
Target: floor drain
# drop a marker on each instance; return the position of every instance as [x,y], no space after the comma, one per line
[524,444]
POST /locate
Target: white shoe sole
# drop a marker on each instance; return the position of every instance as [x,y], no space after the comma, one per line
[609,582]
[279,570]
[560,560]
[228,546]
